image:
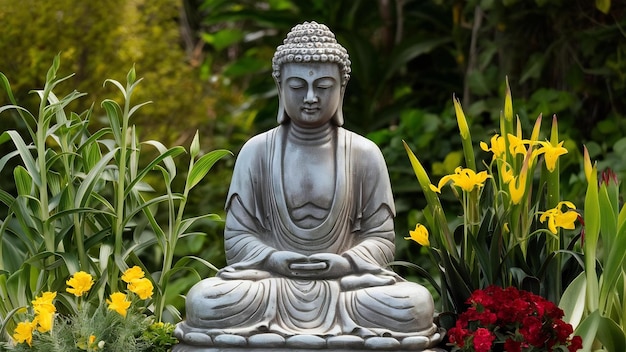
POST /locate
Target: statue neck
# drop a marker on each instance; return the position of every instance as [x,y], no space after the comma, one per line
[310,136]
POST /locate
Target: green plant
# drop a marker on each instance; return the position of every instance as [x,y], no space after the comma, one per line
[595,300]
[119,324]
[509,232]
[83,202]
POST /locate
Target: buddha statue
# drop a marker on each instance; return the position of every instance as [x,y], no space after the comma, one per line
[309,228]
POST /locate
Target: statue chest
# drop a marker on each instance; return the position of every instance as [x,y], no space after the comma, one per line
[309,177]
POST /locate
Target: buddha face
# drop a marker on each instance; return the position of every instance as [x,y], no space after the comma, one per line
[311,92]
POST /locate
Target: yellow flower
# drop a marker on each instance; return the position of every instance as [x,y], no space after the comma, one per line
[79,284]
[142,287]
[43,303]
[467,179]
[118,303]
[498,147]
[551,153]
[517,145]
[557,218]
[419,235]
[44,311]
[133,273]
[517,186]
[24,332]
[507,173]
[44,321]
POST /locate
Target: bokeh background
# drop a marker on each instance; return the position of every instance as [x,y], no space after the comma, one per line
[206,66]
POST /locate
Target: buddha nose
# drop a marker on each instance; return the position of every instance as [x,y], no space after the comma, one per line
[310,96]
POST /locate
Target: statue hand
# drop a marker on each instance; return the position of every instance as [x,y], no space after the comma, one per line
[280,262]
[336,265]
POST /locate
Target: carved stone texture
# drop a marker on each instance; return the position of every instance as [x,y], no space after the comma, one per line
[309,229]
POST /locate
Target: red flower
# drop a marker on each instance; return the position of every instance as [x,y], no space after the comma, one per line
[512,346]
[482,340]
[575,344]
[516,320]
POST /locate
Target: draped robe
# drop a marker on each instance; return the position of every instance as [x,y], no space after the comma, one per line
[358,226]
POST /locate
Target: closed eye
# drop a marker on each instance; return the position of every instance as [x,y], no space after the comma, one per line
[325,83]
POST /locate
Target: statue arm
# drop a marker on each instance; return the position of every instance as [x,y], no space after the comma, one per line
[373,224]
[244,228]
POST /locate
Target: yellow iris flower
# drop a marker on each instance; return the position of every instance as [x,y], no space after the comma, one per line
[419,235]
[517,145]
[557,218]
[465,178]
[79,284]
[506,173]
[118,303]
[24,332]
[551,153]
[498,147]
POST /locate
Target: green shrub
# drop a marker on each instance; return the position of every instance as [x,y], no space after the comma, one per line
[82,201]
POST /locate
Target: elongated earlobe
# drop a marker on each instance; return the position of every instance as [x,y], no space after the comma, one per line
[281,117]
[338,117]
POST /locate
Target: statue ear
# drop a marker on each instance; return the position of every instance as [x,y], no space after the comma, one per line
[281,117]
[338,118]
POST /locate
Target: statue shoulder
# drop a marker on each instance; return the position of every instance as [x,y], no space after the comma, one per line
[365,148]
[255,148]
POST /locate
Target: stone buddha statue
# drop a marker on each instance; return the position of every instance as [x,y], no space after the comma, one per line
[309,228]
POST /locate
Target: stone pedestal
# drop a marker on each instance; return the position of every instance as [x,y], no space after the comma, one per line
[306,343]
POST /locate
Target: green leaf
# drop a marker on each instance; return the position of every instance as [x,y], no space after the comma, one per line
[588,329]
[118,85]
[573,300]
[203,166]
[23,181]
[166,155]
[21,110]
[182,263]
[26,156]
[611,335]
[137,107]
[114,113]
[592,231]
[185,224]
[223,38]
[52,71]
[6,198]
[613,267]
[87,185]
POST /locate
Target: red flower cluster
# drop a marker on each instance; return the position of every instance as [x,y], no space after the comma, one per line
[511,320]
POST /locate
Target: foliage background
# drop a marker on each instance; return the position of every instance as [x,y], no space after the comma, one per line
[206,67]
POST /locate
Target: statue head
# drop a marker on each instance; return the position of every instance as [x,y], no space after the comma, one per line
[311,42]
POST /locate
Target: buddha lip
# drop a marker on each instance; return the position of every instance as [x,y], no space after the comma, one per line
[310,109]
